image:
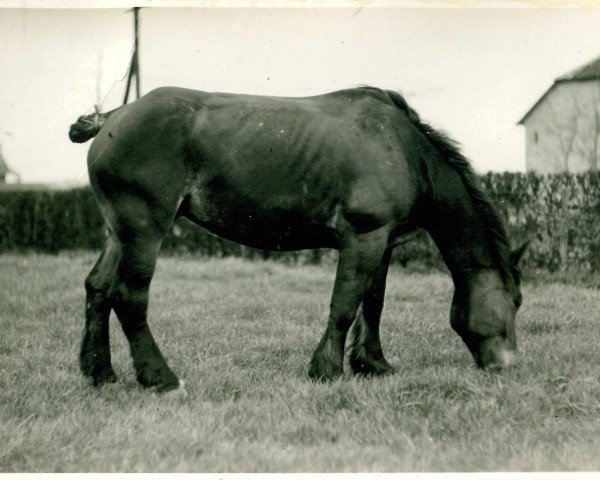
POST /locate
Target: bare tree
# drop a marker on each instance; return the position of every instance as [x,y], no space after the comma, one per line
[594,130]
[564,125]
[575,124]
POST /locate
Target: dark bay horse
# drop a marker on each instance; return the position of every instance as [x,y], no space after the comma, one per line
[353,170]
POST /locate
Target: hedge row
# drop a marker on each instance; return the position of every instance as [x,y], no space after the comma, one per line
[559,213]
[533,209]
[50,220]
[549,210]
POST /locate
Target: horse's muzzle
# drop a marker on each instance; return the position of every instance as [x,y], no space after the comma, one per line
[496,354]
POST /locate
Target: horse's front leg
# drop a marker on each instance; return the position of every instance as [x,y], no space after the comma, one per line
[357,265]
[366,356]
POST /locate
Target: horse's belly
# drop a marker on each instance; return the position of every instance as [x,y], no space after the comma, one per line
[273,229]
[287,239]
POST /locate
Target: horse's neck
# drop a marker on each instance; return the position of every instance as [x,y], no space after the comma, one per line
[458,230]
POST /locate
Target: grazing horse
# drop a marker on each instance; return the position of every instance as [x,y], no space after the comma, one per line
[355,170]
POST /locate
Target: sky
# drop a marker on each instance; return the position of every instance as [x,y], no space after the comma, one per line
[471,72]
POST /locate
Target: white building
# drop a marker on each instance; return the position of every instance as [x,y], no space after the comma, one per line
[562,129]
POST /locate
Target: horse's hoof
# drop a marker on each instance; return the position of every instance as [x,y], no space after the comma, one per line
[324,374]
[371,368]
[109,377]
[101,377]
[177,391]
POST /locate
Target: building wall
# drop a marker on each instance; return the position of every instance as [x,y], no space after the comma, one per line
[563,132]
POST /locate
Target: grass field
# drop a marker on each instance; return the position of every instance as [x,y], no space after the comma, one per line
[241,335]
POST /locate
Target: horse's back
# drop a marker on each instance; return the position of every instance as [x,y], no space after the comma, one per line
[246,165]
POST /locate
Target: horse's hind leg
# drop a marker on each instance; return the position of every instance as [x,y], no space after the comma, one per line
[140,224]
[366,356]
[129,294]
[95,348]
[358,262]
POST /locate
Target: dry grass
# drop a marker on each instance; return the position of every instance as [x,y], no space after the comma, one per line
[241,335]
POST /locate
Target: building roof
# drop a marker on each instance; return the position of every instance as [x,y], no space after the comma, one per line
[589,71]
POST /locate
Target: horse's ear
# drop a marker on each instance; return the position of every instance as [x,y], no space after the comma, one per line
[515,255]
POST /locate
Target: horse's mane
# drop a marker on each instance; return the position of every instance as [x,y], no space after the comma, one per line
[448,148]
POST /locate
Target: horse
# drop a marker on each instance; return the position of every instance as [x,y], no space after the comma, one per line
[354,170]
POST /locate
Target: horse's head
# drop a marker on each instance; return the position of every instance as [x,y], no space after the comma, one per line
[483,314]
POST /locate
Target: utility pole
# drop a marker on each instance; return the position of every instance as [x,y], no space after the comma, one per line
[134,68]
[99,78]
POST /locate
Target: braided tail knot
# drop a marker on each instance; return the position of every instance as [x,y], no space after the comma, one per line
[87,126]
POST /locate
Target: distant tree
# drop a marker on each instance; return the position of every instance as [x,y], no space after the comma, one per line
[575,123]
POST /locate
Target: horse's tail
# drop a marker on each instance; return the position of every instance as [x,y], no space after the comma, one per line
[87,126]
